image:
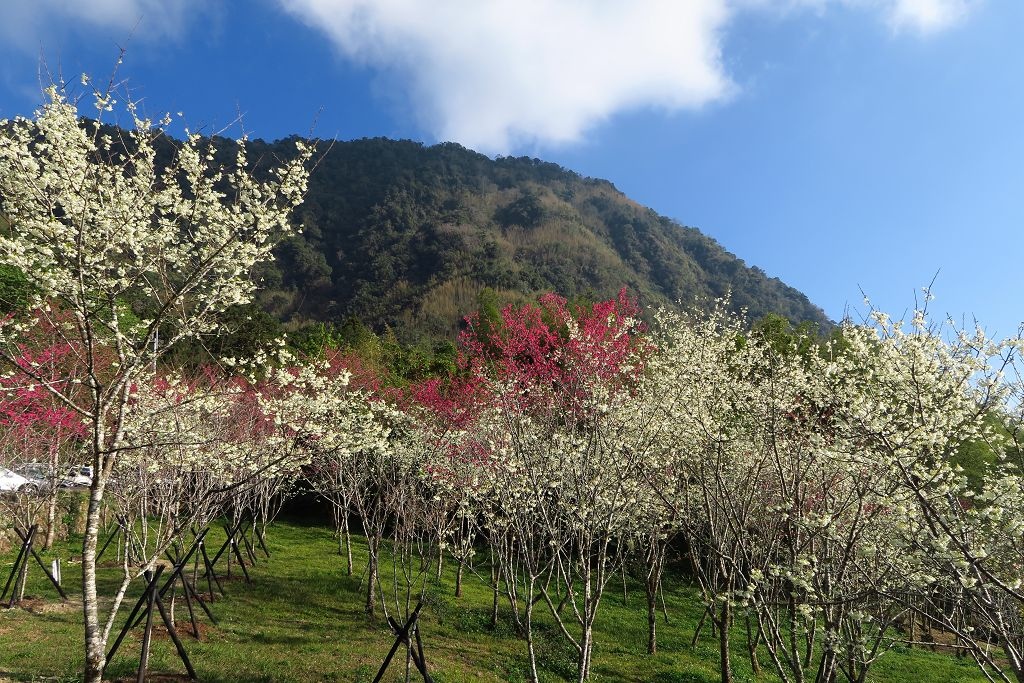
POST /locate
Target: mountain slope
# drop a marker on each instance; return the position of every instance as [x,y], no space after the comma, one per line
[404,235]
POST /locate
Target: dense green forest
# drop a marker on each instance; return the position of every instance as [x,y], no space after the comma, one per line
[403,236]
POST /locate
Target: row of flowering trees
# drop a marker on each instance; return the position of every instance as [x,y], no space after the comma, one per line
[812,488]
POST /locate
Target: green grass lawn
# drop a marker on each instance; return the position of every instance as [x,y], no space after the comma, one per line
[301,619]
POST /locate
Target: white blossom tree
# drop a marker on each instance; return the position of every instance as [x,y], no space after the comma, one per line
[567,466]
[918,392]
[96,224]
[346,439]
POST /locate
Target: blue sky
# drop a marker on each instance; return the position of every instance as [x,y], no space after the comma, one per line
[838,144]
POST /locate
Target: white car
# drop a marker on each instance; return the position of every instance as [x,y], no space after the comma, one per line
[77,476]
[12,481]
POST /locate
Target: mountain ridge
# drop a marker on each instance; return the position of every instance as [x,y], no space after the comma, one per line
[404,236]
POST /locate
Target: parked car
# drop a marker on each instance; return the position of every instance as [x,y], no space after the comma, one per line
[36,472]
[12,481]
[80,475]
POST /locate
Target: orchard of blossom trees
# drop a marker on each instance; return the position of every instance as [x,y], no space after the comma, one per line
[810,487]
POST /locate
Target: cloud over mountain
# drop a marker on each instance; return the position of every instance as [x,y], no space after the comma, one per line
[495,75]
[490,74]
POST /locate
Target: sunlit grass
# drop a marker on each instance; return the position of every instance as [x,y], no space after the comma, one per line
[302,619]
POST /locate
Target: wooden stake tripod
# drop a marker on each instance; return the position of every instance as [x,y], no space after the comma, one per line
[144,609]
[19,572]
[178,575]
[404,635]
[122,524]
[230,543]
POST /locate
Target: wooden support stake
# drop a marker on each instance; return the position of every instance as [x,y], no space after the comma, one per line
[404,635]
[248,547]
[151,598]
[20,569]
[177,572]
[210,574]
[130,622]
[56,584]
[231,535]
[147,635]
[15,571]
[263,543]
[177,641]
[113,534]
[241,562]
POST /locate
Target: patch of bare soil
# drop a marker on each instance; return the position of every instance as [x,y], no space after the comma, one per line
[183,627]
[38,605]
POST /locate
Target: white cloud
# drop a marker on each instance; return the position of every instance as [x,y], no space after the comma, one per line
[920,16]
[497,73]
[926,16]
[33,24]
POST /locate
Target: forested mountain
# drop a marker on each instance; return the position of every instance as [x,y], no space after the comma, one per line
[404,235]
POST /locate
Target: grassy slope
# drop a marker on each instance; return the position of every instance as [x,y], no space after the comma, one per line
[302,620]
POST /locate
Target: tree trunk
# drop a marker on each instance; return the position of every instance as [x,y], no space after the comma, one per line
[51,502]
[752,641]
[590,601]
[534,677]
[723,642]
[827,667]
[51,519]
[1014,662]
[652,618]
[371,575]
[586,650]
[95,643]
[348,546]
[18,594]
[496,596]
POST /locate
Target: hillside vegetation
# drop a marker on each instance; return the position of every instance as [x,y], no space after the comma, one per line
[405,236]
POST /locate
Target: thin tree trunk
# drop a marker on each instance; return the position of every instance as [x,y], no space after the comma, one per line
[700,626]
[652,618]
[827,667]
[586,650]
[752,641]
[371,578]
[51,520]
[723,642]
[496,590]
[534,677]
[51,504]
[348,546]
[95,643]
